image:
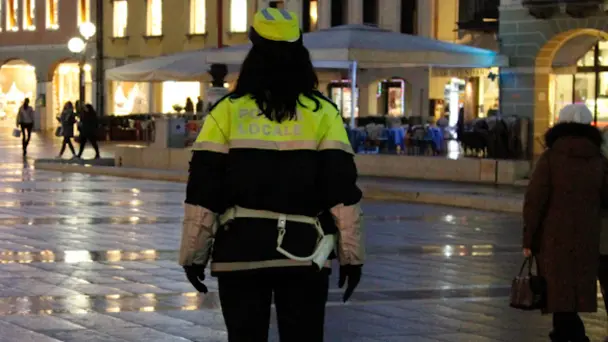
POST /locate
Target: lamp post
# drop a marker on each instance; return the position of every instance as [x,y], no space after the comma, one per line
[78,45]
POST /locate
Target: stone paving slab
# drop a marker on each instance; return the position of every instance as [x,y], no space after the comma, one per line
[87,257]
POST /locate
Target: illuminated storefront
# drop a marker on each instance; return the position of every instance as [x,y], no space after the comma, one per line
[340,94]
[66,85]
[175,94]
[589,85]
[391,97]
[474,90]
[17,82]
[131,98]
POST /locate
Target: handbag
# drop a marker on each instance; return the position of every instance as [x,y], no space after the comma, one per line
[59,132]
[528,291]
[16,132]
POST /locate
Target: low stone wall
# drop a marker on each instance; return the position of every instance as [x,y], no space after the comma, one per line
[410,167]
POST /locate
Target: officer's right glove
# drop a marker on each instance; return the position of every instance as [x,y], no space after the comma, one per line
[196,275]
[352,273]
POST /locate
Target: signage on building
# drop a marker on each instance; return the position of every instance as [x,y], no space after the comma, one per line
[460,72]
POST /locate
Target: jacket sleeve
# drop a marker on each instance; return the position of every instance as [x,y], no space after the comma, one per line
[205,189]
[535,201]
[341,194]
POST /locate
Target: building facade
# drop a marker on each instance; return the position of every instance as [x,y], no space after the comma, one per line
[35,61]
[558,55]
[149,28]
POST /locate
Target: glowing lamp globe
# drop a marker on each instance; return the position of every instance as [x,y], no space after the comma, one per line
[87,29]
[76,45]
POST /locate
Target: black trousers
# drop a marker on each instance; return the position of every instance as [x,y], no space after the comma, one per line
[568,327]
[67,141]
[83,142]
[299,299]
[25,138]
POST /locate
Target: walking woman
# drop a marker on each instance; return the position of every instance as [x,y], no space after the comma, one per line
[25,120]
[88,130]
[274,166]
[562,215]
[67,120]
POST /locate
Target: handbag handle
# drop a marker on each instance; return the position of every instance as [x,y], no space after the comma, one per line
[529,261]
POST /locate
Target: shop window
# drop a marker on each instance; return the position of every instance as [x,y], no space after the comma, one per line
[29,15]
[66,85]
[175,95]
[588,60]
[310,21]
[120,17]
[52,14]
[155,18]
[602,98]
[12,15]
[84,11]
[340,94]
[603,55]
[238,15]
[198,17]
[17,82]
[131,98]
[584,90]
[370,12]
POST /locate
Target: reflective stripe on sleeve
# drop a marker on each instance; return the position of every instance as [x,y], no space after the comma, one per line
[274,145]
[336,145]
[254,265]
[210,146]
[267,14]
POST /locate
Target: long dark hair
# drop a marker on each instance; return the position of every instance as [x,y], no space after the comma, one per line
[275,75]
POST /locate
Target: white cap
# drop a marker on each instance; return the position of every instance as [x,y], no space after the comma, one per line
[577,113]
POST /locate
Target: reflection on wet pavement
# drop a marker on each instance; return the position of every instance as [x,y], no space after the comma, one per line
[93,258]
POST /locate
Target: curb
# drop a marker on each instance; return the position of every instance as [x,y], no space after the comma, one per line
[122,172]
[486,203]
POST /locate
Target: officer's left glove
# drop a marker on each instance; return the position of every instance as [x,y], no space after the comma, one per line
[196,275]
[353,274]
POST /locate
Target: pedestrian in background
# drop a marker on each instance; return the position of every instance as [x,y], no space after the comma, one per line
[562,218]
[189,108]
[25,120]
[67,119]
[88,130]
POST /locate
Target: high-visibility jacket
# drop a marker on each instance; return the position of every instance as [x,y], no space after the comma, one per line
[300,167]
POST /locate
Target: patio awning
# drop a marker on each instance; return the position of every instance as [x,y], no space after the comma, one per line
[183,66]
[373,48]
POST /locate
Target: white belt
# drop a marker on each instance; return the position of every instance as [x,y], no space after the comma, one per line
[325,243]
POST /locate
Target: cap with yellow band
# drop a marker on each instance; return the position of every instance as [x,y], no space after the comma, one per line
[277,24]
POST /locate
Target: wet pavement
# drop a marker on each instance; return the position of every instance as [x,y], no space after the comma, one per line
[93,258]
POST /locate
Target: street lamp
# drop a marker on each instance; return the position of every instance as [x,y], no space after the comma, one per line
[78,45]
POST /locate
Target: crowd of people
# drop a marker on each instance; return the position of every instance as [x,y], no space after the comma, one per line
[83,116]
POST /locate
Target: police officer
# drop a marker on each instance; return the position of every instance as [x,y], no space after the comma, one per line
[272,192]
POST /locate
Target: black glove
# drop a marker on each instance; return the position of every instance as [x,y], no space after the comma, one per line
[353,273]
[196,275]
